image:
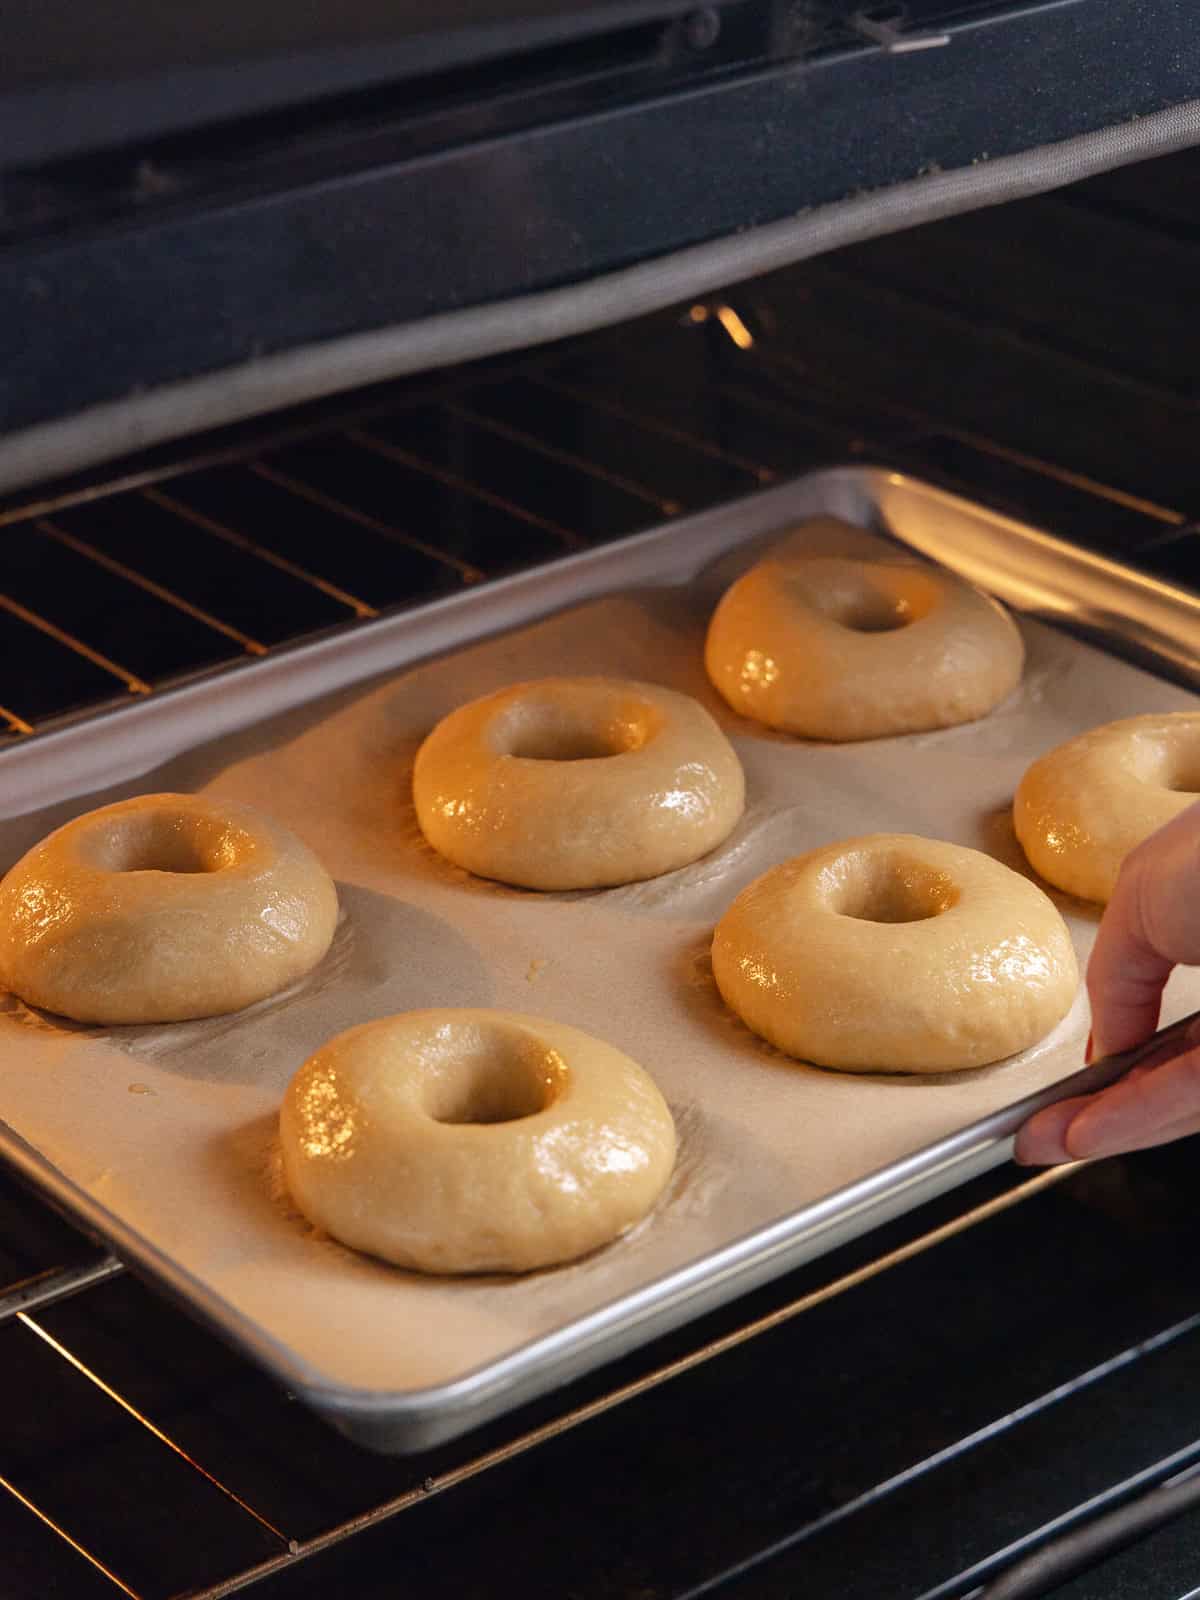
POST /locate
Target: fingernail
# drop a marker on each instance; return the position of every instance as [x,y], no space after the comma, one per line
[1087,1051]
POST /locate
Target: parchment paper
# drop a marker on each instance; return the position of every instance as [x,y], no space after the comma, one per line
[173,1128]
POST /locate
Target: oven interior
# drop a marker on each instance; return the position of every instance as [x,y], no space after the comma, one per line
[907,1417]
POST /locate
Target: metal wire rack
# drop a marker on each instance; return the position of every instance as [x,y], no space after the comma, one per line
[195,560]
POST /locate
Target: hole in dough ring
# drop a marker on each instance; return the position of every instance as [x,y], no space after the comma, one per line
[161,908]
[1080,809]
[895,953]
[577,783]
[474,1141]
[834,648]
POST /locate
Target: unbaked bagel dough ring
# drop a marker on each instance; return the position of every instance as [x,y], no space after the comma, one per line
[577,783]
[836,648]
[1081,808]
[895,953]
[474,1141]
[161,908]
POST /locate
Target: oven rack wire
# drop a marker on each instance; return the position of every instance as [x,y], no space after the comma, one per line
[24,1302]
[195,559]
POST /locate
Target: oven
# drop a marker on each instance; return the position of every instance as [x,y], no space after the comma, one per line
[278,391]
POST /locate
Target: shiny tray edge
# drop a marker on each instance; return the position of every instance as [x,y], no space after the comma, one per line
[1036,573]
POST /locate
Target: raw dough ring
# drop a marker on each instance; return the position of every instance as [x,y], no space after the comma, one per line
[1083,807]
[474,1141]
[837,648]
[577,783]
[895,953]
[161,908]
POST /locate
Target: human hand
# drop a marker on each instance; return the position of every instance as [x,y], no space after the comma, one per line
[1150,926]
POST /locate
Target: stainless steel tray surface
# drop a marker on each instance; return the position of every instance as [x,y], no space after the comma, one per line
[162,1139]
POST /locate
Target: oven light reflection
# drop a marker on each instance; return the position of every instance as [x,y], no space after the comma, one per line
[734,327]
[1015,960]
[729,320]
[758,670]
[759,974]
[329,1127]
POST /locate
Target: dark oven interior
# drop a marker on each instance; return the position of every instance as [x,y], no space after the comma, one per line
[913,1415]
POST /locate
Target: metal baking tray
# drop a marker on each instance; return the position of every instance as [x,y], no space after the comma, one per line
[160,1139]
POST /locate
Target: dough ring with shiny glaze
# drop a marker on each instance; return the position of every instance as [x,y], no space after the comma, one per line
[895,953]
[836,648]
[161,908]
[1080,809]
[474,1141]
[577,783]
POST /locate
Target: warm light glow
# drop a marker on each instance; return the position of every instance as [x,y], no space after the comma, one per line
[735,327]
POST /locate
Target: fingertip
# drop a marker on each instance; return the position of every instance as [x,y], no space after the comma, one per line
[1041,1142]
[1113,1032]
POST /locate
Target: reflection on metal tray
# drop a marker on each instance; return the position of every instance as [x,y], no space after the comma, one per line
[411,1416]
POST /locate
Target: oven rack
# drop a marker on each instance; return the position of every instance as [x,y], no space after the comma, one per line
[113,1399]
[24,1304]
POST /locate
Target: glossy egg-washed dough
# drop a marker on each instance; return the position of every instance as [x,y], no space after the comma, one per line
[836,648]
[474,1141]
[1084,806]
[161,908]
[895,953]
[577,783]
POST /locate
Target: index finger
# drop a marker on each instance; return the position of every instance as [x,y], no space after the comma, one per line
[1151,924]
